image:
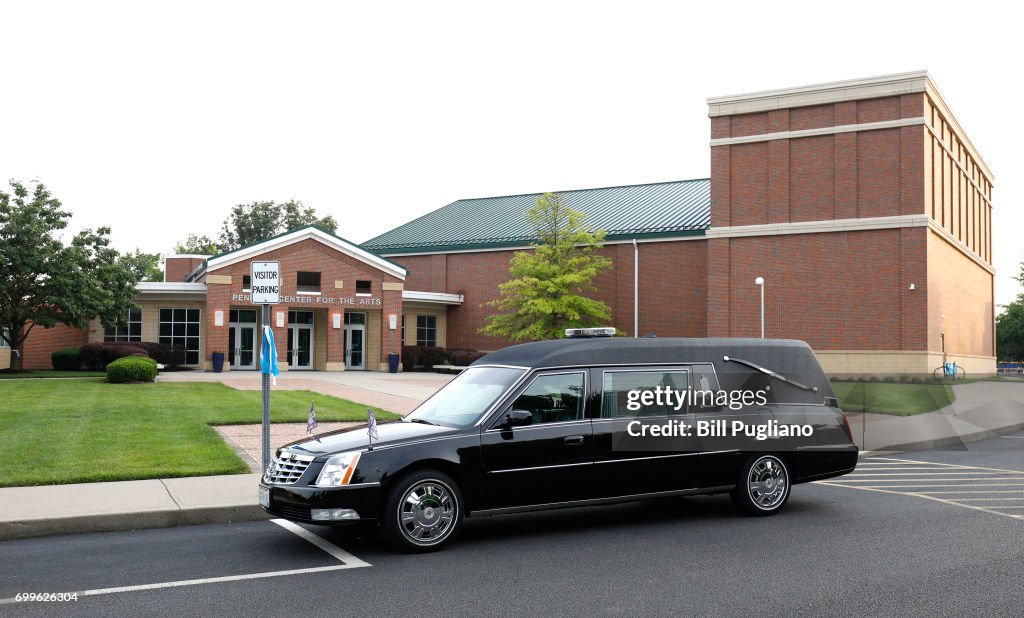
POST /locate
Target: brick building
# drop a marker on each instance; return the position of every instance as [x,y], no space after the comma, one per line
[863,205]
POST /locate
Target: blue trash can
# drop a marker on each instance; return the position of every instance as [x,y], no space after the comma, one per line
[218,362]
[393,362]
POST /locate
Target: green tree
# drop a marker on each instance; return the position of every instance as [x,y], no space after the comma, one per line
[195,244]
[251,223]
[44,282]
[544,294]
[145,266]
[1010,331]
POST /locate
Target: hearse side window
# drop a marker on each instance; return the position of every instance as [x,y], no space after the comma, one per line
[553,398]
[618,386]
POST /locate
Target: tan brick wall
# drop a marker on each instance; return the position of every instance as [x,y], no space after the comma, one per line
[412,310]
[960,302]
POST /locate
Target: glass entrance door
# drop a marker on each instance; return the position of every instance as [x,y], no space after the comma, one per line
[300,340]
[242,339]
[355,340]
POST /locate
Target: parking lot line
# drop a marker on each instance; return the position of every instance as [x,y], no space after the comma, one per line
[348,562]
[322,543]
[956,482]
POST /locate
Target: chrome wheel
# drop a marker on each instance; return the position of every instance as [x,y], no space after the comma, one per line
[767,483]
[427,512]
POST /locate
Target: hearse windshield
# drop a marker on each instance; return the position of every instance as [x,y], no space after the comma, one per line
[464,400]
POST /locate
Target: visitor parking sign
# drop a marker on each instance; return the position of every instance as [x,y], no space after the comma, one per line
[266,283]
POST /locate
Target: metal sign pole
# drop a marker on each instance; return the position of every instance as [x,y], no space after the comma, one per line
[266,393]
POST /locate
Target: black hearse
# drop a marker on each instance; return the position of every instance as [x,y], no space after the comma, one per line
[579,421]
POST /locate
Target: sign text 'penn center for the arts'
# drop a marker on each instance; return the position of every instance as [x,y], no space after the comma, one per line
[313,300]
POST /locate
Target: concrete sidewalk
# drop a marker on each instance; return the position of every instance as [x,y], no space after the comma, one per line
[396,392]
[982,410]
[127,505]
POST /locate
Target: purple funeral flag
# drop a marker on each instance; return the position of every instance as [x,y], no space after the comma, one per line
[311,424]
[371,427]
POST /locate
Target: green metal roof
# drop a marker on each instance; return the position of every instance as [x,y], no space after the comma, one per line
[674,208]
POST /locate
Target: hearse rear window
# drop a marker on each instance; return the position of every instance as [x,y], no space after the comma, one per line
[624,393]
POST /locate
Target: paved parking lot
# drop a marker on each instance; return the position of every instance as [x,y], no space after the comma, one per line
[883,541]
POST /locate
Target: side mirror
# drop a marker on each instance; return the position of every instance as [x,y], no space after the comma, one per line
[518,418]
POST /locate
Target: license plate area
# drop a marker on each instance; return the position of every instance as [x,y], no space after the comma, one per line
[265,497]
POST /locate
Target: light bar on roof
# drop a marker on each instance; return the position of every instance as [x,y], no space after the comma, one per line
[604,331]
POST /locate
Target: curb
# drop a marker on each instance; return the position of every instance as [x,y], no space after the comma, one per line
[923,445]
[117,522]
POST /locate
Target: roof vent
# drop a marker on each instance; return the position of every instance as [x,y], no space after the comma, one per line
[606,331]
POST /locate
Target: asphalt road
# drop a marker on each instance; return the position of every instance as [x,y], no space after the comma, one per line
[935,533]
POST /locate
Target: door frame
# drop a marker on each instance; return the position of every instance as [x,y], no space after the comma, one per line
[293,332]
[348,343]
[236,329]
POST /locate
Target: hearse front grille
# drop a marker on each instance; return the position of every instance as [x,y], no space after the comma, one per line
[287,468]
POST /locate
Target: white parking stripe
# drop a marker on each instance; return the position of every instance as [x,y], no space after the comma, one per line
[322,543]
[207,580]
[919,479]
[349,562]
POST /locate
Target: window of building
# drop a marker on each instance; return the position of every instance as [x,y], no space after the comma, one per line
[403,329]
[180,326]
[355,318]
[246,283]
[426,330]
[553,398]
[5,338]
[307,283]
[364,288]
[129,330]
[623,392]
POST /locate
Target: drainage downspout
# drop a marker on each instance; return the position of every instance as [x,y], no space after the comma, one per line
[636,290]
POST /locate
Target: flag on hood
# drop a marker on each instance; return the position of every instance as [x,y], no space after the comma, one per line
[371,427]
[311,424]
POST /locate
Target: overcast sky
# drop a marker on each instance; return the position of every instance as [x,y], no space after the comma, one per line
[156,118]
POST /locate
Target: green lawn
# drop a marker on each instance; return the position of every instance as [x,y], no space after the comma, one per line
[896,399]
[49,373]
[74,431]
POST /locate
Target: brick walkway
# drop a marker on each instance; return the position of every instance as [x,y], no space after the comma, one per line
[247,440]
[399,393]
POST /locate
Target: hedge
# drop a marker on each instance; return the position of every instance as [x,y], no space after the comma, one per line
[132,369]
[66,359]
[96,356]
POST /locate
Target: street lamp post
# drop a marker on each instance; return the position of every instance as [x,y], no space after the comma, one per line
[760,283]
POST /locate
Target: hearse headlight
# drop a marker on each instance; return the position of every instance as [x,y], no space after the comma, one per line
[338,470]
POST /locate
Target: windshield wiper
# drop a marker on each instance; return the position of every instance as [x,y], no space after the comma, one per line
[769,372]
[424,421]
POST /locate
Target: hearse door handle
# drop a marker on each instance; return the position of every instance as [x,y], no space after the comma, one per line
[574,440]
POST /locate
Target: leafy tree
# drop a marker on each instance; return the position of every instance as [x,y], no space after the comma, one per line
[145,266]
[251,223]
[1010,331]
[45,283]
[198,245]
[543,297]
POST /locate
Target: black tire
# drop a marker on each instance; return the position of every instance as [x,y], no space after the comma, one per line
[764,485]
[428,522]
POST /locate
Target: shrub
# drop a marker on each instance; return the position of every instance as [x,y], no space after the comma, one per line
[135,368]
[410,357]
[66,359]
[423,356]
[433,355]
[462,357]
[96,356]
